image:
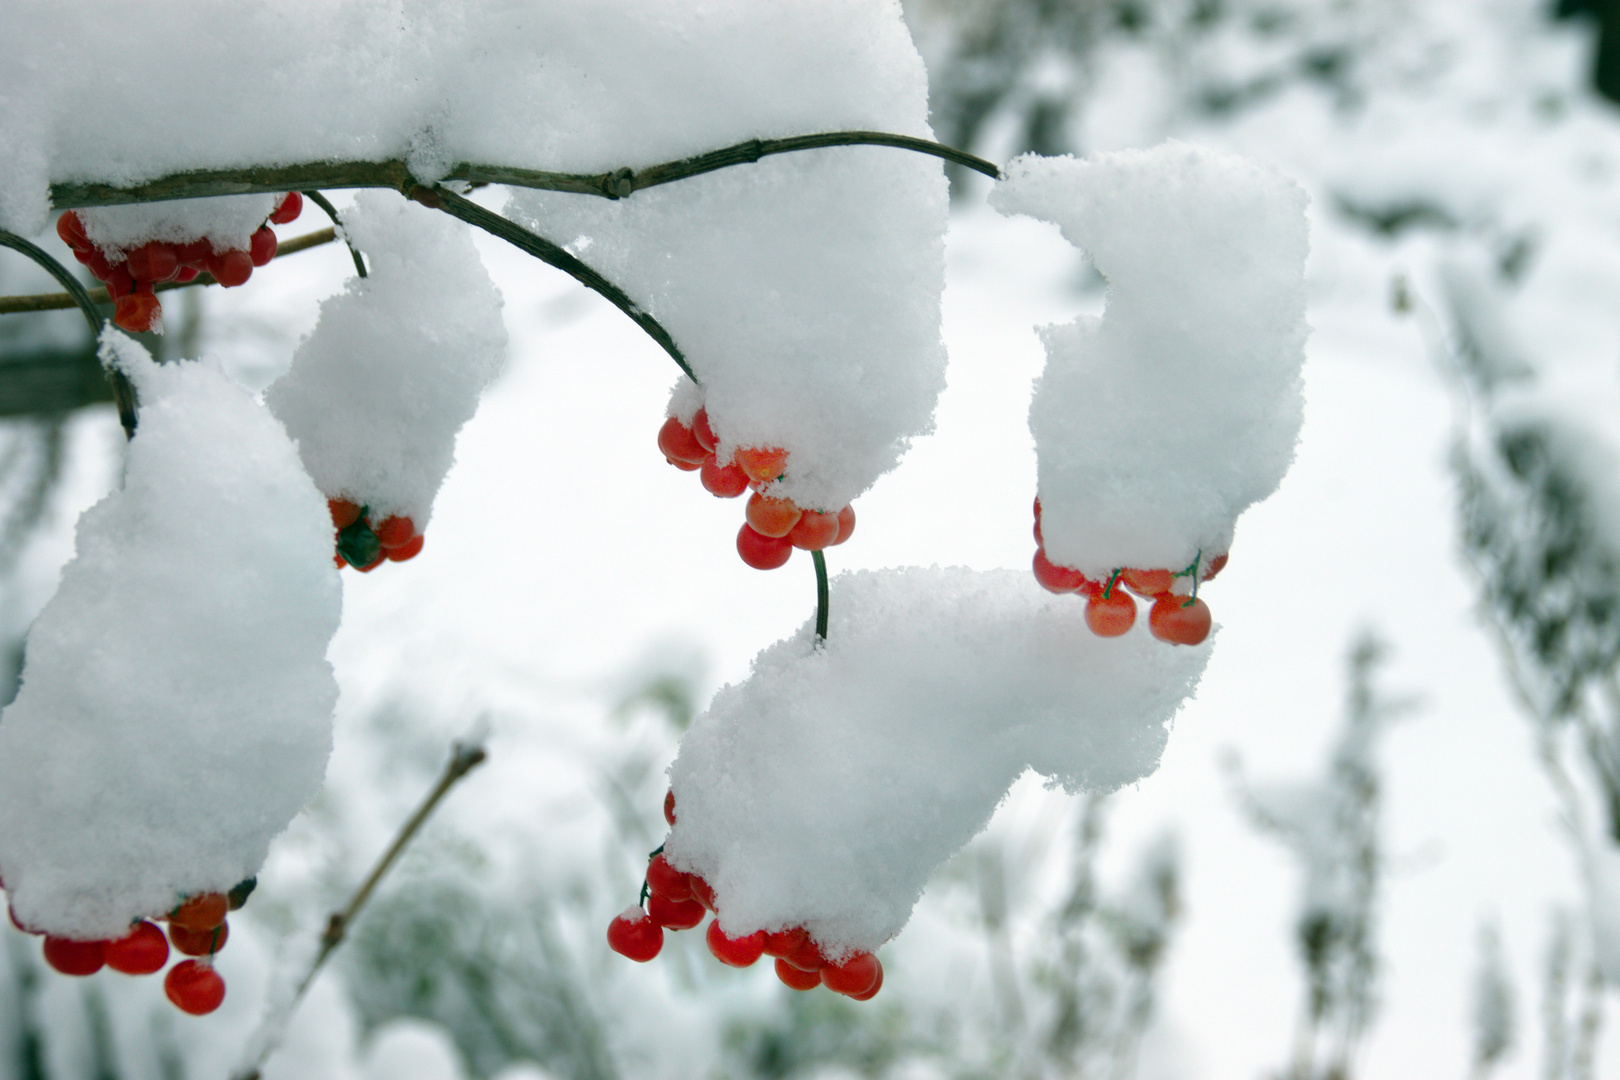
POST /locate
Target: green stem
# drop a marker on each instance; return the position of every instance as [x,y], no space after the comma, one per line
[821,596]
[547,252]
[331,211]
[1113,579]
[123,390]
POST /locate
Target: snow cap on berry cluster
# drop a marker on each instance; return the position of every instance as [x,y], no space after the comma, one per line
[176,702]
[825,789]
[1158,424]
[395,366]
[227,222]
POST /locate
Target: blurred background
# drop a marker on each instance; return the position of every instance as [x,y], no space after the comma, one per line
[1385,838]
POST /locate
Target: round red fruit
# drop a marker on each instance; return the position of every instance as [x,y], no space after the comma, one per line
[678,443]
[143,951]
[814,531]
[1178,620]
[201,912]
[120,282]
[139,313]
[1146,583]
[772,517]
[154,261]
[75,957]
[703,893]
[705,434]
[287,211]
[871,991]
[199,942]
[1058,579]
[854,976]
[195,253]
[194,987]
[795,978]
[71,229]
[232,268]
[803,953]
[409,550]
[262,246]
[762,552]
[846,525]
[97,264]
[344,513]
[185,274]
[666,881]
[675,914]
[395,532]
[723,481]
[762,463]
[735,951]
[669,807]
[1216,565]
[1111,615]
[632,933]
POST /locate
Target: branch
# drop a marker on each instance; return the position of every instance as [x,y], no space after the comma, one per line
[331,211]
[464,757]
[616,184]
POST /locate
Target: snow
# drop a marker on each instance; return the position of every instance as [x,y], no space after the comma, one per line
[825,789]
[1160,423]
[185,644]
[395,366]
[227,221]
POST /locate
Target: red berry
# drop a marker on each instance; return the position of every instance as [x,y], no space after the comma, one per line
[1146,583]
[703,894]
[666,881]
[194,987]
[344,513]
[772,517]
[846,525]
[814,531]
[97,264]
[201,912]
[678,443]
[262,246]
[381,558]
[71,230]
[1216,565]
[232,268]
[735,951]
[142,952]
[854,976]
[762,464]
[1037,508]
[409,550]
[669,807]
[875,987]
[684,466]
[1040,540]
[1179,621]
[154,261]
[762,552]
[287,211]
[632,933]
[797,948]
[185,274]
[1058,579]
[75,957]
[1111,615]
[138,313]
[199,942]
[795,978]
[704,433]
[675,914]
[723,481]
[196,253]
[395,532]
[120,282]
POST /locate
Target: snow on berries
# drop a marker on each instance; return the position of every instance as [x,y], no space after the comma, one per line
[393,369]
[1159,423]
[176,704]
[819,794]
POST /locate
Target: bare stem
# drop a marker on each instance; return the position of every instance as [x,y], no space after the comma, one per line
[821,596]
[331,211]
[464,757]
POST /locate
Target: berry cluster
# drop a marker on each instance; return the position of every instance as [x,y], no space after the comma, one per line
[365,546]
[197,928]
[1181,619]
[774,527]
[132,276]
[680,901]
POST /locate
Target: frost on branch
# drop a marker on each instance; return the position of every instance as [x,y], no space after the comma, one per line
[826,788]
[396,364]
[1161,422]
[176,703]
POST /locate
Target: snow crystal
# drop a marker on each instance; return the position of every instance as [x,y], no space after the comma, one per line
[227,222]
[394,368]
[1158,424]
[826,788]
[176,702]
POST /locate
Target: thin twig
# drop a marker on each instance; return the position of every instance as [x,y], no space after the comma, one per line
[821,596]
[331,211]
[464,757]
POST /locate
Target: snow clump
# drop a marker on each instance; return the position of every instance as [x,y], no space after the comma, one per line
[227,223]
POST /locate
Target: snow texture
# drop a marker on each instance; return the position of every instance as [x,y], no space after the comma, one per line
[1159,423]
[176,703]
[826,788]
[228,222]
[395,366]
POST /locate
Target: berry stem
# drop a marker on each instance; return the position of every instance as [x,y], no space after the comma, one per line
[821,596]
[331,211]
[645,888]
[1113,579]
[464,757]
[1193,570]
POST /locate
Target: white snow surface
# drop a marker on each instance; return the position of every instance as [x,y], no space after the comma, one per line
[228,222]
[1159,423]
[825,789]
[554,85]
[176,703]
[395,366]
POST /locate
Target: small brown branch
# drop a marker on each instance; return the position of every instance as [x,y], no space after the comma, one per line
[464,757]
